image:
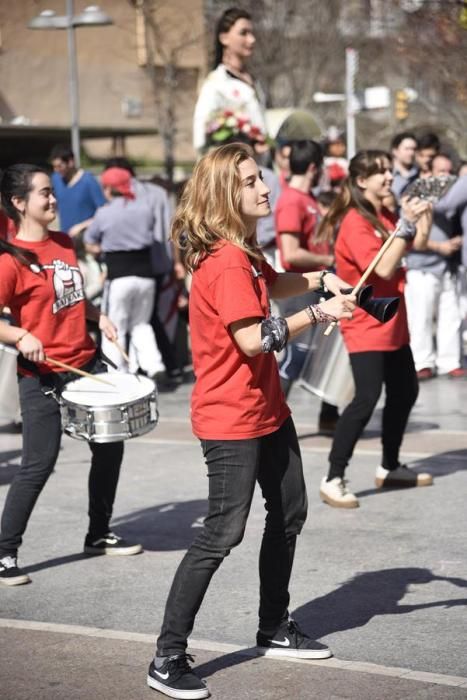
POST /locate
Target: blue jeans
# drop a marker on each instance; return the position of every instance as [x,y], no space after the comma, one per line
[234,466]
[42,432]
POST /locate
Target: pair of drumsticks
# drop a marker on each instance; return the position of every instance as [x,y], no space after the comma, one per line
[81,372]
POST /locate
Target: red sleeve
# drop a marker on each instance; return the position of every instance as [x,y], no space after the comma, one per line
[8,277]
[234,295]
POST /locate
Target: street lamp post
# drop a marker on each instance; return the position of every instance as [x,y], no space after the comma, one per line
[92,16]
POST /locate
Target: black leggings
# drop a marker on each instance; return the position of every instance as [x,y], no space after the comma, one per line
[370,370]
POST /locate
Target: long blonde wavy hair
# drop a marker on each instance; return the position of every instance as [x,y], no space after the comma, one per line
[210,207]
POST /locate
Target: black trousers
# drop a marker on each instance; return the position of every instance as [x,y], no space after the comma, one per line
[42,432]
[371,370]
[234,467]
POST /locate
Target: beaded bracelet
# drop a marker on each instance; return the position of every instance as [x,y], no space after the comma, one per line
[319,315]
[311,314]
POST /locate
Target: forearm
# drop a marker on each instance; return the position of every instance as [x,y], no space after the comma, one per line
[10,335]
[290,284]
[391,259]
[306,259]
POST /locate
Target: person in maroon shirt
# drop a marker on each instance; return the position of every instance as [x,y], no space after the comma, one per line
[239,413]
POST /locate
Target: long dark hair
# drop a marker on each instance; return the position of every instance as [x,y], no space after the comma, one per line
[363,164]
[224,24]
[16,181]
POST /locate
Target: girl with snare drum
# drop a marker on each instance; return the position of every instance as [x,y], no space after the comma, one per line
[239,412]
[41,283]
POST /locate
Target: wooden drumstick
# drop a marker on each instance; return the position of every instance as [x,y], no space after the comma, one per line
[81,372]
[368,271]
[121,350]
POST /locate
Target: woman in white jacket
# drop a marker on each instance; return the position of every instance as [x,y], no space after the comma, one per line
[229,86]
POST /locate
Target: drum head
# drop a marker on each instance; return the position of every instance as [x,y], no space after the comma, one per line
[126,389]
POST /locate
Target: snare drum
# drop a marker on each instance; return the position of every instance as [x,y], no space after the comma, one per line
[99,413]
[326,371]
[9,394]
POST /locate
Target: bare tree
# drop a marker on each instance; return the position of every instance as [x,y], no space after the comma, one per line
[166,38]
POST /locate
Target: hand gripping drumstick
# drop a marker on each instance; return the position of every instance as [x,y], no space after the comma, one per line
[368,271]
[81,372]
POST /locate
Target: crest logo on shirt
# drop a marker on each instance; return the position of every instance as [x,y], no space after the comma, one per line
[68,284]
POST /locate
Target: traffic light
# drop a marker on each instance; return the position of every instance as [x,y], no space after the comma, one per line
[401,106]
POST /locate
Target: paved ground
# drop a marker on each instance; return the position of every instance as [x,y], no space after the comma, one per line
[384,585]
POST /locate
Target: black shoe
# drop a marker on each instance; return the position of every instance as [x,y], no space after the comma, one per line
[173,676]
[289,640]
[11,574]
[110,544]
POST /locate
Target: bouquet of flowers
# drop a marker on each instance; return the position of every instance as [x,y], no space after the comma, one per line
[226,123]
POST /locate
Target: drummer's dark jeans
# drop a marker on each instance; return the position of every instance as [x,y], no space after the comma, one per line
[41,443]
[234,467]
[371,370]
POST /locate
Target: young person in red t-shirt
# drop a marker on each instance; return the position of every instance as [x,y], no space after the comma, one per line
[238,409]
[379,353]
[297,217]
[41,283]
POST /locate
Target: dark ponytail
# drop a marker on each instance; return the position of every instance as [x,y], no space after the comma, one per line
[16,181]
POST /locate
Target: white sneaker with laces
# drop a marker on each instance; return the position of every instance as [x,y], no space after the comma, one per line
[335,493]
[402,477]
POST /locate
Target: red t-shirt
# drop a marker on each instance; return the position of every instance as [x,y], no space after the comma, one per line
[356,246]
[235,396]
[297,213]
[50,303]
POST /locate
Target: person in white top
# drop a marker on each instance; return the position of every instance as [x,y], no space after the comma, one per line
[230,85]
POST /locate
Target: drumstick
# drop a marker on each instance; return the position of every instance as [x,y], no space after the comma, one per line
[81,372]
[122,351]
[368,271]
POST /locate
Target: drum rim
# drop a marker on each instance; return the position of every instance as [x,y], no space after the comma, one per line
[118,403]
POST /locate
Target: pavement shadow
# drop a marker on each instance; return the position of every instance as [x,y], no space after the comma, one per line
[369,594]
[58,561]
[226,661]
[164,528]
[438,465]
[7,469]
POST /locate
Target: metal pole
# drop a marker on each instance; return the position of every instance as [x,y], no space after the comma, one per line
[73,83]
[351,65]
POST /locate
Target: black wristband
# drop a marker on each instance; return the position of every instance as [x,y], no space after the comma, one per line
[322,287]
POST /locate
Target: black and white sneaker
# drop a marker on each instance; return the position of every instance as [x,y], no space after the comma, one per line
[110,544]
[11,574]
[289,640]
[173,676]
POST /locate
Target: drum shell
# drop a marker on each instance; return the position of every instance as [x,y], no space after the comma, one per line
[327,372]
[9,393]
[110,423]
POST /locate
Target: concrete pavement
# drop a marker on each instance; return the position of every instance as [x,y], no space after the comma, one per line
[384,585]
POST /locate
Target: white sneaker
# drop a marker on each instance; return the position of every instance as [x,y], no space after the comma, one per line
[335,493]
[402,477]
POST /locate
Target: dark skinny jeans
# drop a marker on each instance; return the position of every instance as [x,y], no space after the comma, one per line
[41,443]
[396,370]
[234,466]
